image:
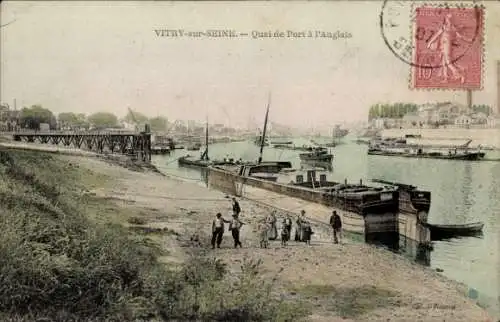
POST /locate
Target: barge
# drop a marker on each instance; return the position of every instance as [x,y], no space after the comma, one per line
[319,157]
[400,148]
[364,210]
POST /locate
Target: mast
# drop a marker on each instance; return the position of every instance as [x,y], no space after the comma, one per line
[205,154]
[263,137]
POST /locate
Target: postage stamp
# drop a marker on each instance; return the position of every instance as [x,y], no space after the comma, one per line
[443,42]
[448,48]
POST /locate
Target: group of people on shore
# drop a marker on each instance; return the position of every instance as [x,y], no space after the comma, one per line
[267,228]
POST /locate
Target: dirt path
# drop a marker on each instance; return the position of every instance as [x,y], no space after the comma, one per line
[350,282]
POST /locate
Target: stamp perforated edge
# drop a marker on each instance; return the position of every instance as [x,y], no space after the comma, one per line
[414,51]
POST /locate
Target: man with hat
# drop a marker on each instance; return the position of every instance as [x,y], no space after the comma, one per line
[234,226]
[336,224]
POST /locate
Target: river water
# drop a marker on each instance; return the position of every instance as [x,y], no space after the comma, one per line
[462,192]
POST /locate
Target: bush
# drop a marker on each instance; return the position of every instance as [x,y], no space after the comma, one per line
[59,265]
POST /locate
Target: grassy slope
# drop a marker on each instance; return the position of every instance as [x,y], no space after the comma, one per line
[59,262]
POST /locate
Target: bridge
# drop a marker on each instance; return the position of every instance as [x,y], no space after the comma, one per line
[134,144]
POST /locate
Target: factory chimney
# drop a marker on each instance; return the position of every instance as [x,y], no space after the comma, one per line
[498,87]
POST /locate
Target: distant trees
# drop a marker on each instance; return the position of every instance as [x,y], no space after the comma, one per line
[158,124]
[136,118]
[482,108]
[396,110]
[72,120]
[32,117]
[102,120]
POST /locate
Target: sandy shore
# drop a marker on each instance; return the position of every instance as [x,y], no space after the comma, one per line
[349,282]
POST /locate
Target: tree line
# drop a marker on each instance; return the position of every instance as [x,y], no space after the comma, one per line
[396,110]
[32,117]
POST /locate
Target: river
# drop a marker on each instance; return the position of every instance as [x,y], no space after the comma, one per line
[462,192]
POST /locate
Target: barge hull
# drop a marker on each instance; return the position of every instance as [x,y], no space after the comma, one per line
[314,203]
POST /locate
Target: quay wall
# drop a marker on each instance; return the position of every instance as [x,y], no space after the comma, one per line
[298,198]
[485,137]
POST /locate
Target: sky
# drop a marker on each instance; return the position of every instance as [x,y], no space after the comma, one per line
[106,56]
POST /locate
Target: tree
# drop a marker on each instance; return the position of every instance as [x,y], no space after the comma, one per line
[158,124]
[103,120]
[136,118]
[33,116]
[72,120]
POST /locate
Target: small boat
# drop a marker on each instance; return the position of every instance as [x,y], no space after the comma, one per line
[194,146]
[318,154]
[204,161]
[448,231]
[160,149]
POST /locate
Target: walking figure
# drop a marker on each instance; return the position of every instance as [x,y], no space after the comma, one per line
[234,227]
[336,224]
[218,230]
[236,207]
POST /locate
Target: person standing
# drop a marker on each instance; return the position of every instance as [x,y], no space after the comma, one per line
[263,228]
[336,224]
[287,224]
[300,219]
[271,221]
[234,227]
[218,230]
[306,232]
[236,207]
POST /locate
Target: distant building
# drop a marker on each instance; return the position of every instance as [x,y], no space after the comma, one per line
[493,121]
[378,123]
[413,119]
[463,120]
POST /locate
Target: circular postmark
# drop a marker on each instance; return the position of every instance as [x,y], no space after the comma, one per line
[431,36]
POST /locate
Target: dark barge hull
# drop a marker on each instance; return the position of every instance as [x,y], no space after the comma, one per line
[186,162]
[475,156]
[328,158]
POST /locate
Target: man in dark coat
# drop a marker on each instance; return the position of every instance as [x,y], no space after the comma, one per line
[235,226]
[236,207]
[336,224]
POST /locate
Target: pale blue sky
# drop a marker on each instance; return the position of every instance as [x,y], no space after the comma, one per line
[106,56]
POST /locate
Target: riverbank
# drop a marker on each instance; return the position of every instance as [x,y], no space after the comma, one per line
[325,282]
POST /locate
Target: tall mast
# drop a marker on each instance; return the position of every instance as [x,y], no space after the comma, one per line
[263,138]
[204,156]
[206,138]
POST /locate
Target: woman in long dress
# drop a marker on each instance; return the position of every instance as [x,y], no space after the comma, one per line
[271,221]
[263,229]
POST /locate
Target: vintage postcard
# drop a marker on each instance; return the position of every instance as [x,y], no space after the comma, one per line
[250,160]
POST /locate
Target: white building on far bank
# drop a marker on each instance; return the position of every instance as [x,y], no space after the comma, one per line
[493,121]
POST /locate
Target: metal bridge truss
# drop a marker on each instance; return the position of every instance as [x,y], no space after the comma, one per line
[137,145]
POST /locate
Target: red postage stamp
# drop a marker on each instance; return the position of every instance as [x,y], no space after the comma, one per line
[448,48]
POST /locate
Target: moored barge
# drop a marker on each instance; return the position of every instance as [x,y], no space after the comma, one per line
[364,209]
